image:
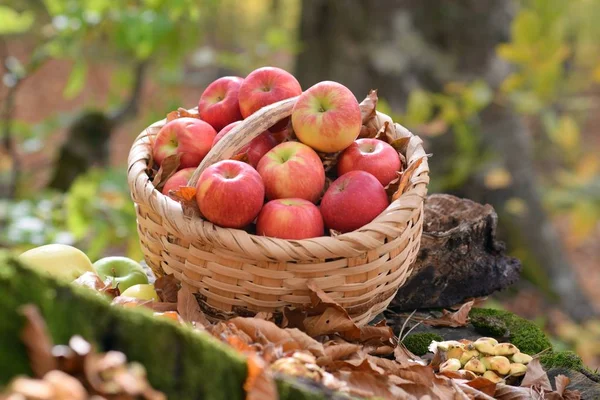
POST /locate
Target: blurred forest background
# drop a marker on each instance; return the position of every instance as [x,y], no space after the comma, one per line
[506,95]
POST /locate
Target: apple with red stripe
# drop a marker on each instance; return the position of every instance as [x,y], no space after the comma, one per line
[219,104]
[256,149]
[290,219]
[373,156]
[190,137]
[264,86]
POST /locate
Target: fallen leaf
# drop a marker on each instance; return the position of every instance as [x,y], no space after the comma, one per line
[259,384]
[289,339]
[335,352]
[400,145]
[405,178]
[189,309]
[186,196]
[561,382]
[167,168]
[37,341]
[405,357]
[483,385]
[167,287]
[452,319]
[368,106]
[536,376]
[392,187]
[385,133]
[367,132]
[508,392]
[90,280]
[366,384]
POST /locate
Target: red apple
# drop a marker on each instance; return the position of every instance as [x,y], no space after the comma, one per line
[190,137]
[353,200]
[327,117]
[292,170]
[230,194]
[371,155]
[219,104]
[178,179]
[265,86]
[256,149]
[290,219]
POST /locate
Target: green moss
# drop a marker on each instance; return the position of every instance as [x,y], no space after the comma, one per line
[418,343]
[562,359]
[524,334]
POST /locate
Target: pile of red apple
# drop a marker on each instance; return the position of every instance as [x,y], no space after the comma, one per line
[280,183]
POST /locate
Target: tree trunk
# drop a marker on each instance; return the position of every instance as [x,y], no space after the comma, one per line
[397,46]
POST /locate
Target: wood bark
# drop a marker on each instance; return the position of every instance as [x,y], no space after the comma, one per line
[398,46]
[460,257]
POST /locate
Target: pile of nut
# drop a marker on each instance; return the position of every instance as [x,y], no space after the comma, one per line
[483,357]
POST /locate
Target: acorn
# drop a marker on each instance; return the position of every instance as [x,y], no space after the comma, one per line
[517,369]
[500,364]
[485,345]
[505,349]
[475,365]
[492,376]
[455,352]
[521,358]
[467,355]
[451,364]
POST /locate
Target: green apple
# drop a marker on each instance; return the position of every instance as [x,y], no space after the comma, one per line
[123,271]
[58,260]
[141,292]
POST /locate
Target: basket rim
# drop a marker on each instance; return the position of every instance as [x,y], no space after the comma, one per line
[391,222]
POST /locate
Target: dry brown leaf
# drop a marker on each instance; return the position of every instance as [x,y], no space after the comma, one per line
[453,319]
[405,357]
[267,316]
[243,157]
[186,196]
[561,382]
[400,145]
[406,177]
[167,168]
[37,341]
[385,133]
[289,339]
[167,287]
[189,309]
[366,384]
[259,384]
[28,388]
[181,113]
[90,280]
[508,392]
[368,106]
[536,376]
[483,385]
[337,351]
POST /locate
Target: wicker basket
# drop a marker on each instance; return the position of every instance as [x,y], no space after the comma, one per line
[234,272]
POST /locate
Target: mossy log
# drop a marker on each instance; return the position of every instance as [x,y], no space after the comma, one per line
[459,256]
[181,362]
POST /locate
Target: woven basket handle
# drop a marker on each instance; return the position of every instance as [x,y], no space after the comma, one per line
[243,133]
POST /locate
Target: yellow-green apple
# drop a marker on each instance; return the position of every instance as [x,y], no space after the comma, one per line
[371,155]
[264,86]
[122,271]
[290,219]
[219,104]
[256,149]
[230,193]
[58,260]
[327,117]
[292,170]
[178,179]
[141,291]
[352,201]
[190,137]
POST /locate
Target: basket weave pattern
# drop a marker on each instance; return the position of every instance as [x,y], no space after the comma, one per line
[233,271]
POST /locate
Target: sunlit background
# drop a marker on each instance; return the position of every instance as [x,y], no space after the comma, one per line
[506,95]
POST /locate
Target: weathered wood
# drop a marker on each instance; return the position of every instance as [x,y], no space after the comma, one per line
[459,257]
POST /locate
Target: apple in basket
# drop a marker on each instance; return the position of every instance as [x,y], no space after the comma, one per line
[264,86]
[256,149]
[219,104]
[327,117]
[190,137]
[178,179]
[371,155]
[230,194]
[352,201]
[292,170]
[290,219]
